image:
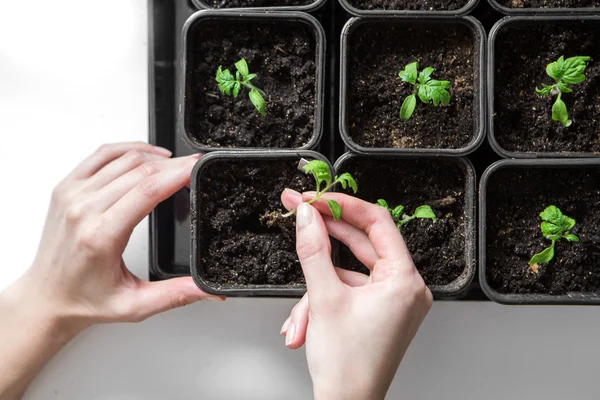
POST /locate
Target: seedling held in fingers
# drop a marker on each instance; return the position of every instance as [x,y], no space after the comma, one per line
[401,219]
[230,85]
[555,226]
[320,170]
[428,90]
[564,72]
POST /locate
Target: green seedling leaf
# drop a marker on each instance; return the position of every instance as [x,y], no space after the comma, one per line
[543,257]
[408,107]
[320,170]
[565,72]
[346,179]
[397,213]
[401,219]
[551,214]
[242,67]
[425,212]
[258,101]
[336,210]
[383,203]
[555,226]
[410,73]
[572,238]
[548,228]
[231,86]
[429,90]
[559,113]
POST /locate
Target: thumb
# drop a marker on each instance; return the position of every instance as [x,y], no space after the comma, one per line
[156,297]
[314,251]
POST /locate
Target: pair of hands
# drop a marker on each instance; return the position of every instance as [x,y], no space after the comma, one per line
[356,328]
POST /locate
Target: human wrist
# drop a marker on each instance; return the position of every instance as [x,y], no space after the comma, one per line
[26,301]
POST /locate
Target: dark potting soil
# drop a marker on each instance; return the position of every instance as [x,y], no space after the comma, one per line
[377,52]
[257,3]
[437,248]
[515,199]
[549,3]
[523,119]
[282,54]
[238,203]
[429,5]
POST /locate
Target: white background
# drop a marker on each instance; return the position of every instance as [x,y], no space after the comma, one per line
[73,75]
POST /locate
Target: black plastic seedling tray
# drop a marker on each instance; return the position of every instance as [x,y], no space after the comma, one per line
[169,245]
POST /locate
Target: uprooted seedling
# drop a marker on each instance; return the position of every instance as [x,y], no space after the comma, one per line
[428,89]
[401,219]
[564,72]
[230,85]
[555,226]
[324,182]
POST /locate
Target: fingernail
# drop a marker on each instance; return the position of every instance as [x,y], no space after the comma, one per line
[285,325]
[163,151]
[197,156]
[214,298]
[292,192]
[303,215]
[289,339]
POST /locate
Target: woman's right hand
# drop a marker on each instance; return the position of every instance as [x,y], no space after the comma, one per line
[357,329]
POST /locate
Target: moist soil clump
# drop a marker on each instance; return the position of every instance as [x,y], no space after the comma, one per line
[522,118]
[375,92]
[244,239]
[282,54]
[437,248]
[515,199]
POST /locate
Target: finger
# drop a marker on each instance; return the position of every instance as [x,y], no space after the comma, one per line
[109,152]
[116,168]
[127,212]
[114,191]
[156,297]
[375,220]
[314,252]
[356,239]
[297,323]
[296,333]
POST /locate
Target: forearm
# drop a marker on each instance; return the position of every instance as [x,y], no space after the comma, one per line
[30,334]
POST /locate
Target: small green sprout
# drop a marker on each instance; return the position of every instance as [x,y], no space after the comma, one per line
[320,170]
[428,90]
[231,86]
[564,72]
[555,226]
[401,219]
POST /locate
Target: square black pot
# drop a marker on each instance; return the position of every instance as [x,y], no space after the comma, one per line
[564,11]
[530,171]
[198,250]
[313,6]
[472,26]
[359,12]
[285,21]
[526,25]
[463,278]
